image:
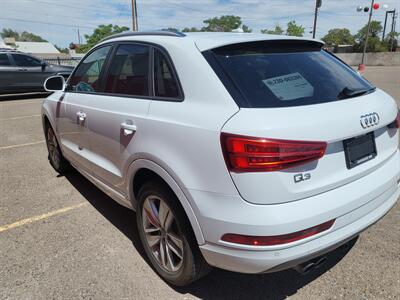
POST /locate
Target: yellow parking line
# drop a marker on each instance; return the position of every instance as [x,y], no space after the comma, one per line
[22,117]
[41,217]
[21,145]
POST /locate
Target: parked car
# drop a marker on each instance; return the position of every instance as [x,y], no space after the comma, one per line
[250,153]
[20,72]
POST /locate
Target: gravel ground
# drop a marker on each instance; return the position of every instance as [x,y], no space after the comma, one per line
[90,249]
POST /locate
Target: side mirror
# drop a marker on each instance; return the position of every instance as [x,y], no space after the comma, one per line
[54,84]
[43,66]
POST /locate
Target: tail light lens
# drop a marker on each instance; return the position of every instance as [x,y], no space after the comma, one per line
[250,154]
[276,239]
[396,122]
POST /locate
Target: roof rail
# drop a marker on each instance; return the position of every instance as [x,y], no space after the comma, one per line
[140,33]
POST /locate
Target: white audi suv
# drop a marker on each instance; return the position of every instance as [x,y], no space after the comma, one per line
[247,152]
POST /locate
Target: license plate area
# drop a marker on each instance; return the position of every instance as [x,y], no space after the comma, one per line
[359,150]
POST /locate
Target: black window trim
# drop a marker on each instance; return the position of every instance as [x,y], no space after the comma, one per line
[107,64]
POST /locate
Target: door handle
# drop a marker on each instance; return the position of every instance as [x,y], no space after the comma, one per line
[22,69]
[81,116]
[128,128]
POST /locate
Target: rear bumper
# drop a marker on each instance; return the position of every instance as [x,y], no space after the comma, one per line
[355,207]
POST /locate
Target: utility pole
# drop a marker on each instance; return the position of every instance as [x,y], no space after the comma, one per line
[134,16]
[367,34]
[79,38]
[318,4]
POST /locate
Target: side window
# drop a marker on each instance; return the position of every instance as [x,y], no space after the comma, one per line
[165,83]
[129,71]
[26,61]
[86,76]
[4,61]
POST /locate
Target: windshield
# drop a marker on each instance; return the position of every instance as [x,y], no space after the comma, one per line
[281,74]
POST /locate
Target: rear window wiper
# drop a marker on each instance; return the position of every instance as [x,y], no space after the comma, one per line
[349,93]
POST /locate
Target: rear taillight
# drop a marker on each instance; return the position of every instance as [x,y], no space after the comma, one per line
[250,154]
[276,239]
[396,122]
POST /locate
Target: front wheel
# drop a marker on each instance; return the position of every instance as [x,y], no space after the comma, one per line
[167,237]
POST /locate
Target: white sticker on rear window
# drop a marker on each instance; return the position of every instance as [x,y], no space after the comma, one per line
[290,87]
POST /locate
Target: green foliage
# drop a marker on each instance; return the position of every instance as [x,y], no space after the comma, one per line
[375,30]
[101,32]
[338,36]
[25,36]
[220,24]
[374,42]
[192,29]
[62,50]
[294,30]
[277,30]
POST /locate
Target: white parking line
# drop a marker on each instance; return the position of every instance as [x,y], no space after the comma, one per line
[22,117]
[41,217]
[21,145]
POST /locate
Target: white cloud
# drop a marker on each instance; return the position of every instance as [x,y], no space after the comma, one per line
[155,14]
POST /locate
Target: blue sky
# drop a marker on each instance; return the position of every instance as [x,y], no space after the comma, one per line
[59,20]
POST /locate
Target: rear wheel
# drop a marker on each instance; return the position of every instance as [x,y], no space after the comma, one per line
[56,159]
[167,237]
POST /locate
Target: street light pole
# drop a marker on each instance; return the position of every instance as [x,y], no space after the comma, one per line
[134,16]
[367,34]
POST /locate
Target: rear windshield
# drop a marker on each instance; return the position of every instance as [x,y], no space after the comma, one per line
[285,73]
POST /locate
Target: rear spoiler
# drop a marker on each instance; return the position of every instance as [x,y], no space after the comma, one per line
[271,46]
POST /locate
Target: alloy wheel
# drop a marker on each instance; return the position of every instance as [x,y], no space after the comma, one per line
[162,234]
[52,146]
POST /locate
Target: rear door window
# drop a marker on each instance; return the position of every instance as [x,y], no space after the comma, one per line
[287,73]
[86,77]
[129,71]
[4,60]
[26,61]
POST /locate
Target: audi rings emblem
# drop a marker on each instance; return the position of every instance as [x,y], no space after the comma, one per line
[369,120]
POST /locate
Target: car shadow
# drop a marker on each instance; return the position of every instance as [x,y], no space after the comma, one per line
[219,284]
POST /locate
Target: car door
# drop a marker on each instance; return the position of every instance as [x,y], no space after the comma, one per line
[8,73]
[31,75]
[71,114]
[117,119]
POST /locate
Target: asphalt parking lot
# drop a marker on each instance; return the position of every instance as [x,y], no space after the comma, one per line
[62,238]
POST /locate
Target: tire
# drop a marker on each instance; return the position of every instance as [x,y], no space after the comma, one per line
[174,235]
[56,159]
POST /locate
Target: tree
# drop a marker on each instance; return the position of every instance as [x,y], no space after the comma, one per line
[192,29]
[101,32]
[9,33]
[62,50]
[277,30]
[25,36]
[294,30]
[374,42]
[338,36]
[224,24]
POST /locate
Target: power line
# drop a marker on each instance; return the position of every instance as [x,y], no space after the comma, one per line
[46,23]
